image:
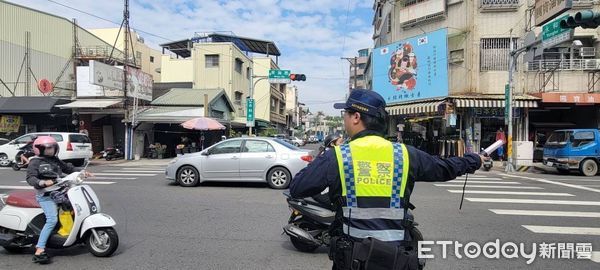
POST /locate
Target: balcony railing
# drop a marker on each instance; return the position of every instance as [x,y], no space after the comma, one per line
[583,3]
[568,65]
[490,5]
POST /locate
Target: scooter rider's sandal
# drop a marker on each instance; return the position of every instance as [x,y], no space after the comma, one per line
[43,258]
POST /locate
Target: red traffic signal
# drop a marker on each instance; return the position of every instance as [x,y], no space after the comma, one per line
[297,77]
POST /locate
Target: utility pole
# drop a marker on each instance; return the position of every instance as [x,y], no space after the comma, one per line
[128,133]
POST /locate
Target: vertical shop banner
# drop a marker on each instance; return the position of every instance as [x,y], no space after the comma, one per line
[10,123]
[412,69]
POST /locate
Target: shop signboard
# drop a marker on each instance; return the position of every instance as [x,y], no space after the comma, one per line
[412,69]
[10,123]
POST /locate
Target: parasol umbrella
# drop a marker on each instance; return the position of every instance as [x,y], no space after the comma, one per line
[202,123]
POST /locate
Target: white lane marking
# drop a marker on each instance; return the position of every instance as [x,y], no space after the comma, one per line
[563,230]
[582,179]
[132,171]
[545,213]
[529,201]
[486,186]
[478,178]
[16,187]
[485,182]
[556,183]
[123,174]
[513,193]
[113,178]
[596,256]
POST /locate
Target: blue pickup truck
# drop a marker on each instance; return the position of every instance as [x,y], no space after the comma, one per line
[573,149]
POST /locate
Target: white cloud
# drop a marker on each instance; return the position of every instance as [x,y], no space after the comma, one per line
[312,34]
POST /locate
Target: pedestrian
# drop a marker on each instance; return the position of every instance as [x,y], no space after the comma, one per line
[371,221]
[500,136]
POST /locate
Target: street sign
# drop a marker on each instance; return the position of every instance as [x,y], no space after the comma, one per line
[558,39]
[45,86]
[279,76]
[250,112]
[553,29]
[506,102]
[546,10]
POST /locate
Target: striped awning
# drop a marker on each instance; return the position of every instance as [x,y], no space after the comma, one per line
[415,108]
[493,103]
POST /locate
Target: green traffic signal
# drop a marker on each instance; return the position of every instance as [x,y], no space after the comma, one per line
[585,19]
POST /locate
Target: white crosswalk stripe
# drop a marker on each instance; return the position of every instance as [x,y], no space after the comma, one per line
[563,230]
[486,186]
[16,187]
[513,193]
[545,213]
[124,174]
[134,171]
[531,201]
[486,182]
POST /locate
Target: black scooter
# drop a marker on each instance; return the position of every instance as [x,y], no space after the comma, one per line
[308,225]
[17,164]
[111,153]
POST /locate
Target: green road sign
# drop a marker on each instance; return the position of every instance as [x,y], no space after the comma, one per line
[279,74]
[553,29]
[250,112]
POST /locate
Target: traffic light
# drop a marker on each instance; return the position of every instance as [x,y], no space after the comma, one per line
[584,19]
[297,77]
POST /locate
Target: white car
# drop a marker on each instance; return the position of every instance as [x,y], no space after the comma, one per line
[297,142]
[74,147]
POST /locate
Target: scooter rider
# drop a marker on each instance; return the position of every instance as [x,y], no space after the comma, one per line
[361,175]
[330,141]
[42,173]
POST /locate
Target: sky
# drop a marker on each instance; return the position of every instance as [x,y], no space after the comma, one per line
[312,35]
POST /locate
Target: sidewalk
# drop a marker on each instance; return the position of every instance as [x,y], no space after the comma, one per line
[536,167]
[162,163]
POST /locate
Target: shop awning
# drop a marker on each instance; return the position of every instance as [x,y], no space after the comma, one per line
[19,105]
[494,101]
[415,108]
[90,104]
[169,115]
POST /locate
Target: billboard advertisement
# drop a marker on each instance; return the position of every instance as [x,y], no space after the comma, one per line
[106,75]
[85,88]
[139,84]
[412,69]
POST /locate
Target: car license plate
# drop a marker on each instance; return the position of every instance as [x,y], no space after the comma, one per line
[550,164]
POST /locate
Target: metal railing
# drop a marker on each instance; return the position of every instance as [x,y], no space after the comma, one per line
[573,65]
[499,4]
[103,52]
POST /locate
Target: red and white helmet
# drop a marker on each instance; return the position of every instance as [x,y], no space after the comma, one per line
[41,143]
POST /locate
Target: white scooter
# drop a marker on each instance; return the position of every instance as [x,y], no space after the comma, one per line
[22,219]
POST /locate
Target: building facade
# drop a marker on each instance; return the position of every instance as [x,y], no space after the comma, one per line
[270,98]
[356,73]
[478,40]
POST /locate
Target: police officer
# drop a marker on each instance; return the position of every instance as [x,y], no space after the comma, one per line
[370,181]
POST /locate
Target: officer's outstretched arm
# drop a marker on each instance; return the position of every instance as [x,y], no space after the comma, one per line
[427,168]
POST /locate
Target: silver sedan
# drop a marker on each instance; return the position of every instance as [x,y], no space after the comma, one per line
[250,159]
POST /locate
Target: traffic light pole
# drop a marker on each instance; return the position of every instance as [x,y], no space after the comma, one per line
[252,86]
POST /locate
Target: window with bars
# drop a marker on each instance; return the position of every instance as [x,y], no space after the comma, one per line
[389,23]
[238,65]
[494,53]
[499,4]
[212,60]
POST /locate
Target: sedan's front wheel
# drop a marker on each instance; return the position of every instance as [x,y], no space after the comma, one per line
[279,178]
[188,176]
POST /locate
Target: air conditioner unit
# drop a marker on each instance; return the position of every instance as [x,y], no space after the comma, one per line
[587,52]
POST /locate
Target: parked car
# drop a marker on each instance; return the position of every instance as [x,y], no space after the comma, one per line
[573,149]
[297,142]
[257,159]
[74,147]
[312,139]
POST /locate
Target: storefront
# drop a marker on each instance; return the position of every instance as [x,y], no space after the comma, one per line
[34,114]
